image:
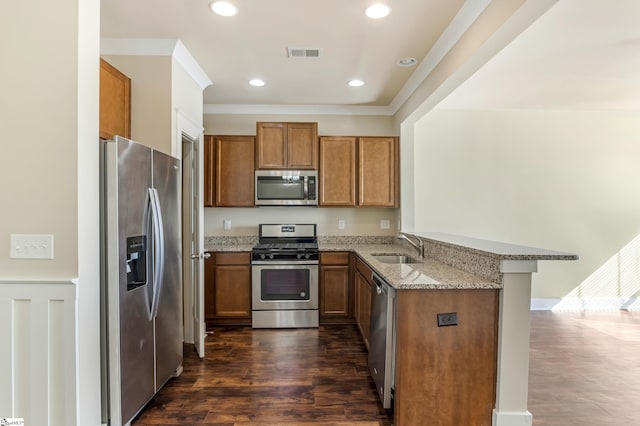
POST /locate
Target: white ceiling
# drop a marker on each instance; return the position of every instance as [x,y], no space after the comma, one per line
[253,44]
[580,54]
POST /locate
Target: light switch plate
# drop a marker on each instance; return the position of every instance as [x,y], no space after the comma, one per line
[31,246]
[226,224]
[340,223]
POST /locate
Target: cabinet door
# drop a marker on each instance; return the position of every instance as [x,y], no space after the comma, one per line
[337,173]
[271,145]
[363,306]
[232,291]
[377,171]
[334,291]
[209,171]
[234,171]
[115,102]
[302,146]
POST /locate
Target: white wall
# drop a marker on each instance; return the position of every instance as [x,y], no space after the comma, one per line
[49,184]
[187,98]
[244,221]
[328,125]
[568,181]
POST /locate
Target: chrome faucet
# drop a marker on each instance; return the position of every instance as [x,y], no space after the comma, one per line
[419,246]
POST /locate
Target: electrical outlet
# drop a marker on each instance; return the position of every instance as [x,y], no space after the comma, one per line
[340,223]
[226,224]
[450,318]
[385,224]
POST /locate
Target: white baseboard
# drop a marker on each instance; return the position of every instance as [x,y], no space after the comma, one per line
[543,304]
[512,418]
[586,304]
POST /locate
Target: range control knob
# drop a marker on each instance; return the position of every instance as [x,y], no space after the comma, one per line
[262,256]
[299,255]
[271,256]
[307,255]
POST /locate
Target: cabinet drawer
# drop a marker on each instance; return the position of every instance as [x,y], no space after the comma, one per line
[334,258]
[233,258]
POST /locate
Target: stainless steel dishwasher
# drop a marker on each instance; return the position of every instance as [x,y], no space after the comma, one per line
[382,339]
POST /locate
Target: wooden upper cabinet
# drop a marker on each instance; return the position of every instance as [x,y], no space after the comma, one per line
[378,172]
[302,145]
[287,145]
[337,172]
[233,171]
[115,102]
[209,172]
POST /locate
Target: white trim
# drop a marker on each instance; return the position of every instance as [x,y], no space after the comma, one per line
[186,59]
[465,17]
[138,46]
[518,266]
[296,109]
[189,127]
[157,47]
[512,419]
[586,304]
[39,355]
[543,304]
[521,19]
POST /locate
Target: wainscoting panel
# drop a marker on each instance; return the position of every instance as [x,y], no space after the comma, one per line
[37,352]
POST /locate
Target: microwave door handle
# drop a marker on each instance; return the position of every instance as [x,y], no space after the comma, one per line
[305,187]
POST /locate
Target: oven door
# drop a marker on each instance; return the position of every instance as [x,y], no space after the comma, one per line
[289,286]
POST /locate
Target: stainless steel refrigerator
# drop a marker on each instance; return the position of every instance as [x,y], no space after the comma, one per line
[141,327]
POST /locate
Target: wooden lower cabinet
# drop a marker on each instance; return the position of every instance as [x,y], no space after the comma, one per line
[335,288]
[228,289]
[445,375]
[363,284]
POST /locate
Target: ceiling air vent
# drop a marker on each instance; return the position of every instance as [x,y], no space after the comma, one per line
[301,52]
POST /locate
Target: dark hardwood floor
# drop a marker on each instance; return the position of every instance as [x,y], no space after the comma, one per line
[272,377]
[584,370]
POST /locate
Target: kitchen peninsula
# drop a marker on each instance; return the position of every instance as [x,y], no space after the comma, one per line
[474,371]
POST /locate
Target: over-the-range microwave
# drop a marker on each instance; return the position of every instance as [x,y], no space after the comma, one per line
[286,188]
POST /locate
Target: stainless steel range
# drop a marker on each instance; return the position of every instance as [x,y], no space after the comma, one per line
[285,277]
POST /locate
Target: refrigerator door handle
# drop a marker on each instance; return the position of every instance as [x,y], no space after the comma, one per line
[158,242]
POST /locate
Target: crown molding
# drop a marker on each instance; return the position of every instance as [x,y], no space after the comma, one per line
[260,109]
[157,47]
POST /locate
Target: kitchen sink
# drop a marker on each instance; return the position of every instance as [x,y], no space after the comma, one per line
[394,258]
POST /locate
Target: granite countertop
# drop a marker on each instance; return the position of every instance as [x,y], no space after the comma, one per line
[428,274]
[504,251]
[452,262]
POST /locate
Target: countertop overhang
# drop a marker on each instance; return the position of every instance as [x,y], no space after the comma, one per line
[451,262]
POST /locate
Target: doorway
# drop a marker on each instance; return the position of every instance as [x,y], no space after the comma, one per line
[192,242]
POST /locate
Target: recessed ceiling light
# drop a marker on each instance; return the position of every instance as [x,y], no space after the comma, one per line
[256,82]
[356,83]
[377,11]
[223,8]
[407,62]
